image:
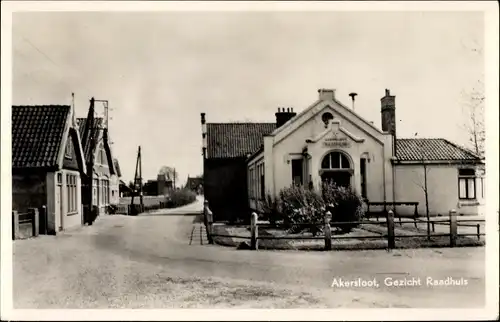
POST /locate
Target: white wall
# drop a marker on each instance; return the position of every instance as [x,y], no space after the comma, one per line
[294,142]
[67,220]
[114,194]
[442,186]
[75,218]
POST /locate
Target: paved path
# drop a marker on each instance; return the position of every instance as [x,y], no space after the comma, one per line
[84,264]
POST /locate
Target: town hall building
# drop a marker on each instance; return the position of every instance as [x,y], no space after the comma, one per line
[245,162]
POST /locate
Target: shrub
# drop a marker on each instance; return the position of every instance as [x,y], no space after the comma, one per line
[300,206]
[180,198]
[271,208]
[344,204]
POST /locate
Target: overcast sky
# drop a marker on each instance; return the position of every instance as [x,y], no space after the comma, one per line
[159,71]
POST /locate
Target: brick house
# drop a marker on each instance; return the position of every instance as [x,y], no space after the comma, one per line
[101,187]
[226,149]
[47,164]
[329,141]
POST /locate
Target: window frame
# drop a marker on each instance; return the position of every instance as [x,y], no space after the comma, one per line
[68,154]
[466,178]
[340,155]
[71,192]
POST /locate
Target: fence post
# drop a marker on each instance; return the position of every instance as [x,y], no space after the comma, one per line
[205,207]
[34,221]
[15,224]
[415,215]
[478,232]
[391,242]
[254,231]
[328,231]
[453,228]
[210,220]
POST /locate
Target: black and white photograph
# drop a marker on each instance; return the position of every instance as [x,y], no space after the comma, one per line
[164,159]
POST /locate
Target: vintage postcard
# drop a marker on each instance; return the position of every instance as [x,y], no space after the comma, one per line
[263,160]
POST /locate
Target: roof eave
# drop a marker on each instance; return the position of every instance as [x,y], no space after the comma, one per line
[433,162]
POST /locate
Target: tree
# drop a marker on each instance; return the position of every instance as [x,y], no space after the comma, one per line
[423,185]
[474,106]
[474,110]
[170,173]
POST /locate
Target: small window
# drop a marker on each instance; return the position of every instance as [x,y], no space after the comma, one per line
[59,178]
[466,184]
[326,117]
[69,149]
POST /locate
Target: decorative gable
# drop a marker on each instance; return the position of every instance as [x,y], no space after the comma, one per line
[336,136]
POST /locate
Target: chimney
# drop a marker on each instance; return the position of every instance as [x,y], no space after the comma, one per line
[282,116]
[326,94]
[388,112]
[204,134]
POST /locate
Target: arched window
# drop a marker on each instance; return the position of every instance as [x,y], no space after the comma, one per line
[335,160]
[326,117]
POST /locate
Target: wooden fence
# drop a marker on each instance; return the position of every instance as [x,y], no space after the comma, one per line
[389,226]
[135,209]
[25,224]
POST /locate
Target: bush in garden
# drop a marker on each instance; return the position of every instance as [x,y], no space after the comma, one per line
[300,206]
[180,198]
[345,206]
[271,208]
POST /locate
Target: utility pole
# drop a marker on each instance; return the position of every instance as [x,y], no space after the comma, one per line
[138,180]
[91,136]
[174,178]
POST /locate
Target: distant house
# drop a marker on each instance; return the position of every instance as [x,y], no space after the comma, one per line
[195,184]
[331,142]
[124,189]
[164,185]
[114,185]
[47,164]
[150,188]
[102,188]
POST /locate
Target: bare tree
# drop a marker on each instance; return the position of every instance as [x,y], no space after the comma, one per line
[474,106]
[474,110]
[169,172]
[423,184]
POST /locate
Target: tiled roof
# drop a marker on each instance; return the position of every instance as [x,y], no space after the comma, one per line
[432,150]
[37,132]
[232,140]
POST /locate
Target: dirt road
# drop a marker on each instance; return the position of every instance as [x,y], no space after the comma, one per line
[148,262]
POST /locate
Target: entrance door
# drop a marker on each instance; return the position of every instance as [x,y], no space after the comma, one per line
[59,205]
[340,178]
